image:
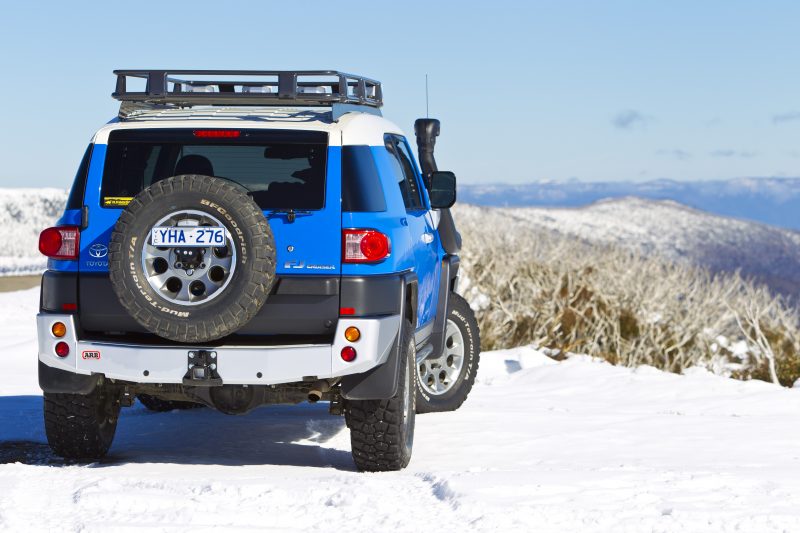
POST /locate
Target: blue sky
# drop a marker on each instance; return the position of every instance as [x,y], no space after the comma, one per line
[615,90]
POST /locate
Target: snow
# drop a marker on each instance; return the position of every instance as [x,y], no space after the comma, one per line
[24,213]
[668,229]
[577,445]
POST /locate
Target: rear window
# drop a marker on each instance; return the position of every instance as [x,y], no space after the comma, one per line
[281,169]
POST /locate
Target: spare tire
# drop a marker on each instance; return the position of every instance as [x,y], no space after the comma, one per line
[192,294]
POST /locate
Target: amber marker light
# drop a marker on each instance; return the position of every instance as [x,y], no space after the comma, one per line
[352,334]
[59,329]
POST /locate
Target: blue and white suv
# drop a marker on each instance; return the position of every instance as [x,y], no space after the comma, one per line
[241,238]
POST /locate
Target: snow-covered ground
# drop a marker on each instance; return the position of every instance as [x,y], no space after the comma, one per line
[540,446]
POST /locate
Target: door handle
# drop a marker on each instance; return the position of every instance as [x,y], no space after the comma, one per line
[427,238]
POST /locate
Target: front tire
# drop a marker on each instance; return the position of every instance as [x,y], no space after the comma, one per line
[445,381]
[382,431]
[81,426]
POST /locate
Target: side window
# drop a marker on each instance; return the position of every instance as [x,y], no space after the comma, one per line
[404,171]
[361,184]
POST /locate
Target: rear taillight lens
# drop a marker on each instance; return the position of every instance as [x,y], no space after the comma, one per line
[217,134]
[365,246]
[60,243]
[62,349]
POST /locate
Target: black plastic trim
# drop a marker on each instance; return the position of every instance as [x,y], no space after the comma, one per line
[57,289]
[306,306]
[75,200]
[380,383]
[372,295]
[61,381]
[450,264]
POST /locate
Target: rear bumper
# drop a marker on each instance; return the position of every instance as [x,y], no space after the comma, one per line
[236,365]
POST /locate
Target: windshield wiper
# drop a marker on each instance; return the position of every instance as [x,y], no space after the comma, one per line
[291,214]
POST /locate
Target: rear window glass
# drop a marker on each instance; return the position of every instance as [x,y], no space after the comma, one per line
[281,169]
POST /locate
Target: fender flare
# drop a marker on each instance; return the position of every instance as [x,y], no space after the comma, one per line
[380,383]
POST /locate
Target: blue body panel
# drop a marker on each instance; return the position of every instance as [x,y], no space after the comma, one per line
[314,238]
[405,229]
[312,244]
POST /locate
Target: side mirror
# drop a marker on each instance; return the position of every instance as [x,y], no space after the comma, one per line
[442,190]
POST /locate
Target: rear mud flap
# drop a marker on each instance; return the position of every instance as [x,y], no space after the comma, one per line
[380,383]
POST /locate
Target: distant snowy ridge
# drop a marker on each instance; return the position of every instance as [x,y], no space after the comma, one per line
[773,201]
[24,213]
[767,254]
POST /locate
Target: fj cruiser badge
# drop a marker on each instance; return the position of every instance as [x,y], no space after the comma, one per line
[90,354]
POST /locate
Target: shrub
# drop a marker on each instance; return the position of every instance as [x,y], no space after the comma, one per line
[529,286]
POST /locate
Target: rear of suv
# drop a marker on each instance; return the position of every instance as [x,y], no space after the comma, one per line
[241,238]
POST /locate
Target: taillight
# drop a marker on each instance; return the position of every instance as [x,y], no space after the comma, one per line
[217,134]
[348,354]
[365,246]
[60,243]
[62,349]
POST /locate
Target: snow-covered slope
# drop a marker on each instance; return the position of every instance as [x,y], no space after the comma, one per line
[769,200]
[540,446]
[770,255]
[24,213]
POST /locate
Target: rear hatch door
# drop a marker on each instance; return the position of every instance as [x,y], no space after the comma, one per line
[293,175]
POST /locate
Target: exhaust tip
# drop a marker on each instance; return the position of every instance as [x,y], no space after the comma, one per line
[314,396]
[319,388]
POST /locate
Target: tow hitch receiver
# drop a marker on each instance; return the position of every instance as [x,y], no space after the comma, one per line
[202,369]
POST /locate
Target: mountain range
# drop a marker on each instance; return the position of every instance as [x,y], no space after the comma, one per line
[773,201]
[764,253]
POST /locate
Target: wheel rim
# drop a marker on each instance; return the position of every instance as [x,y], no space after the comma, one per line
[438,375]
[196,282]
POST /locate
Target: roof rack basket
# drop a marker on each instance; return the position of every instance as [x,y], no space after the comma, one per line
[293,88]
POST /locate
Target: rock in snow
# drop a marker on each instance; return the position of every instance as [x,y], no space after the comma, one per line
[578,445]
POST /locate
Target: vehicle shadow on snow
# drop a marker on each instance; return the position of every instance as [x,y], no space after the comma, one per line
[272,435]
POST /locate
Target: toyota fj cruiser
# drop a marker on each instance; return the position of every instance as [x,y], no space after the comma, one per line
[241,238]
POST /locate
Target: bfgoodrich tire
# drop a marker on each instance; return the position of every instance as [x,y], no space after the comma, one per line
[81,426]
[208,293]
[445,380]
[382,431]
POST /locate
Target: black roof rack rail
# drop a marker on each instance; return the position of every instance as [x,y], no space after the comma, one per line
[285,88]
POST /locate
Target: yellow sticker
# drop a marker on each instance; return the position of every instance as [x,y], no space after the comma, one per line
[117,201]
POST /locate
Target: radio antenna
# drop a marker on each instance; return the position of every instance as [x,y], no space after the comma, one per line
[427,113]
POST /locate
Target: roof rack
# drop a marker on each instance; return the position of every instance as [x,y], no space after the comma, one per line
[285,88]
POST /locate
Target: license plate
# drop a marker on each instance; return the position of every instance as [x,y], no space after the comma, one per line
[188,236]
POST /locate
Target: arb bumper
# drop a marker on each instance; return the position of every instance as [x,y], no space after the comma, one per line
[235,365]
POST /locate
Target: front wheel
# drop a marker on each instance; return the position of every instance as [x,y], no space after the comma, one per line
[382,431]
[444,380]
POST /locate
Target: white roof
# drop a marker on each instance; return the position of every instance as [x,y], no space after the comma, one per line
[352,128]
